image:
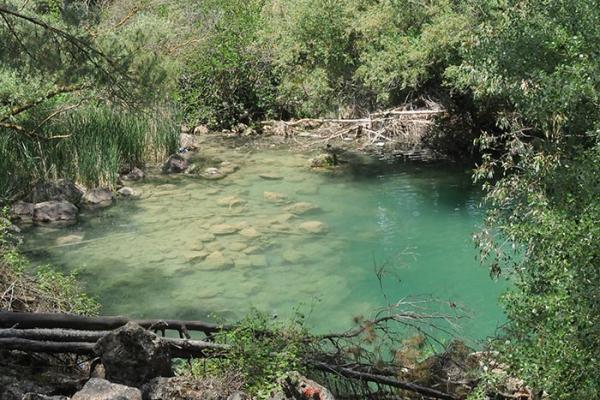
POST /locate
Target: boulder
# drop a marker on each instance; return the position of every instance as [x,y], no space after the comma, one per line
[175,164]
[250,233]
[302,208]
[135,174]
[230,201]
[213,174]
[126,191]
[98,198]
[131,355]
[218,260]
[100,389]
[55,212]
[292,256]
[228,168]
[61,190]
[314,227]
[189,142]
[22,212]
[206,237]
[195,256]
[274,197]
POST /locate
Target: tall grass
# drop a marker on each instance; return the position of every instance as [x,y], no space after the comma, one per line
[89,146]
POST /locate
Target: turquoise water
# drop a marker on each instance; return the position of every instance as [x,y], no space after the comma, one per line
[412,224]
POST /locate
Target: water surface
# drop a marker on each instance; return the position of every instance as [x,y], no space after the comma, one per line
[393,232]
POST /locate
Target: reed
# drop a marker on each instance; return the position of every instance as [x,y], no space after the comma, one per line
[89,146]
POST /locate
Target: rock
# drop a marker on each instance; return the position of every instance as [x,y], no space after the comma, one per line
[98,198]
[100,389]
[68,239]
[303,388]
[292,256]
[131,355]
[61,190]
[237,246]
[22,212]
[126,191]
[275,197]
[135,174]
[214,246]
[238,396]
[206,237]
[321,161]
[271,177]
[175,164]
[201,130]
[223,229]
[231,201]
[218,260]
[302,208]
[250,233]
[213,174]
[254,260]
[37,396]
[189,142]
[195,256]
[55,212]
[315,227]
[252,250]
[228,167]
[189,388]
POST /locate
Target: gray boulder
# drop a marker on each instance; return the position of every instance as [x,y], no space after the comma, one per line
[61,190]
[126,191]
[98,198]
[131,355]
[22,212]
[100,389]
[54,212]
[175,164]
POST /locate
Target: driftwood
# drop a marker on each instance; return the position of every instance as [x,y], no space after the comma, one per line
[67,321]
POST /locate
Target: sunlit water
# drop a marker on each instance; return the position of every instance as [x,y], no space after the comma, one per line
[394,232]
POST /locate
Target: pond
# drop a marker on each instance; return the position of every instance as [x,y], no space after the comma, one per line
[278,236]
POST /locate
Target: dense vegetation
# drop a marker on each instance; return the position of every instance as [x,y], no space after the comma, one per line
[523,77]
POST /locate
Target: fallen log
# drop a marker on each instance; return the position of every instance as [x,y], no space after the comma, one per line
[10,319]
[383,380]
[53,335]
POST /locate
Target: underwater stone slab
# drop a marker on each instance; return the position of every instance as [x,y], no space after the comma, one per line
[250,233]
[314,227]
[230,201]
[275,197]
[223,229]
[302,207]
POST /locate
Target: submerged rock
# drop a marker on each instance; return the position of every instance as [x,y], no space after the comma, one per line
[175,164]
[228,168]
[231,201]
[250,233]
[213,174]
[98,198]
[321,161]
[55,212]
[132,355]
[223,229]
[275,197]
[100,389]
[206,237]
[302,208]
[195,256]
[218,260]
[314,227]
[22,212]
[271,177]
[69,239]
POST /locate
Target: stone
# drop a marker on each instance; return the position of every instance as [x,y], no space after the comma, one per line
[292,256]
[22,212]
[201,130]
[214,246]
[101,389]
[302,208]
[228,167]
[61,190]
[206,237]
[250,233]
[271,177]
[68,239]
[252,250]
[314,227]
[37,396]
[195,256]
[231,201]
[175,164]
[275,197]
[188,142]
[218,260]
[213,174]
[321,161]
[237,246]
[135,174]
[223,229]
[98,198]
[54,212]
[190,388]
[132,355]
[126,191]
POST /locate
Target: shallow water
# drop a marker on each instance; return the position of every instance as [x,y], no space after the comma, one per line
[144,257]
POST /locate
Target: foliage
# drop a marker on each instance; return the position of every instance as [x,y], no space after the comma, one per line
[534,62]
[262,353]
[46,291]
